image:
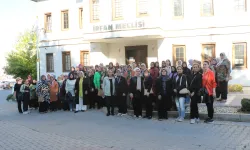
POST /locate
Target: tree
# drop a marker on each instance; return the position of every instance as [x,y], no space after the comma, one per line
[22,60]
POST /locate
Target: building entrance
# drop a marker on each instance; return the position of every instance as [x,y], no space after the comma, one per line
[136,54]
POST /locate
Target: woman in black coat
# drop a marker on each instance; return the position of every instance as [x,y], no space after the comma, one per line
[194,88]
[164,93]
[121,91]
[89,89]
[148,94]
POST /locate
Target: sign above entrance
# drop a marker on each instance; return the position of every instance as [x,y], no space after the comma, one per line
[119,26]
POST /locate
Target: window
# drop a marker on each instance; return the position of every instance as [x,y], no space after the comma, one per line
[208,52]
[66,60]
[65,20]
[240,55]
[178,8]
[179,53]
[80,17]
[94,10]
[48,22]
[84,58]
[117,7]
[240,5]
[49,62]
[142,8]
[207,8]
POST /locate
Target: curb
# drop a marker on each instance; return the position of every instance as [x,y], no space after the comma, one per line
[218,116]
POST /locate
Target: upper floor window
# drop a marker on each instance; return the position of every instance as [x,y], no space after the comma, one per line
[207,8]
[178,8]
[84,58]
[94,10]
[66,61]
[240,5]
[48,22]
[80,17]
[239,55]
[142,8]
[49,62]
[117,7]
[65,20]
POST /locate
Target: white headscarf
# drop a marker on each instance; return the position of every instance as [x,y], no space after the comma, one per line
[221,60]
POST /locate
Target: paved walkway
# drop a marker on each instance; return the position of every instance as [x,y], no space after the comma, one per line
[92,130]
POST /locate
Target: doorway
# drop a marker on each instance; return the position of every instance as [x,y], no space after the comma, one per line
[137,54]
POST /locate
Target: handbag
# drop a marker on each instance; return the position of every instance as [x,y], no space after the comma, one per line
[40,99]
[100,92]
[185,90]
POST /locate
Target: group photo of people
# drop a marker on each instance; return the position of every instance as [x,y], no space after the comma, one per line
[160,87]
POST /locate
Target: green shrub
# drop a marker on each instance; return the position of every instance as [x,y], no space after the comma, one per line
[245,104]
[235,88]
[10,97]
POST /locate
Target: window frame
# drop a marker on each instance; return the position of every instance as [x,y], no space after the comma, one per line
[202,10]
[174,53]
[114,11]
[178,17]
[245,9]
[48,69]
[64,61]
[138,14]
[46,22]
[91,11]
[213,53]
[62,20]
[245,56]
[80,18]
[82,58]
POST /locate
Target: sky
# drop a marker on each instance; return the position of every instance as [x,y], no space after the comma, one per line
[16,16]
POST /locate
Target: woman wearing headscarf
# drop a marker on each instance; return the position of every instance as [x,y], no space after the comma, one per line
[54,89]
[97,83]
[43,95]
[180,82]
[164,94]
[154,72]
[148,94]
[90,89]
[223,71]
[33,103]
[209,85]
[213,65]
[63,93]
[80,91]
[121,90]
[109,92]
[111,67]
[70,91]
[179,63]
[128,74]
[18,94]
[143,69]
[194,88]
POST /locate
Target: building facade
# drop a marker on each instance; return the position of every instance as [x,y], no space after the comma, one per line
[91,32]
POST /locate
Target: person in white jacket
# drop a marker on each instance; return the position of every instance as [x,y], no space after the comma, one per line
[109,92]
[70,88]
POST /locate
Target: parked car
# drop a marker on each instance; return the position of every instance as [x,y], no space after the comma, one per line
[4,85]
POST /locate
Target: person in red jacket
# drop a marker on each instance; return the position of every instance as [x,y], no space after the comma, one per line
[209,85]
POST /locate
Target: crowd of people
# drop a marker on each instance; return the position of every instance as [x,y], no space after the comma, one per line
[161,88]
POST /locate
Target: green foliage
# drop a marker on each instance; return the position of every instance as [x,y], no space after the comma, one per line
[235,88]
[245,104]
[22,61]
[10,97]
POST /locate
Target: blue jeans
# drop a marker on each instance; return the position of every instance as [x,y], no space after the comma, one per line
[180,104]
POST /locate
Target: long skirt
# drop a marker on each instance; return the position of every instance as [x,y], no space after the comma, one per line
[43,107]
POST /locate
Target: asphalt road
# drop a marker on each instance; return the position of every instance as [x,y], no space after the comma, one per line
[92,130]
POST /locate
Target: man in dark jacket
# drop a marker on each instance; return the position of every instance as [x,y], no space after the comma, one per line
[121,88]
[136,90]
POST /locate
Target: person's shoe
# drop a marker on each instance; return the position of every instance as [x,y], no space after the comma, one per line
[140,117]
[20,112]
[209,120]
[25,113]
[192,121]
[119,114]
[82,110]
[108,114]
[123,114]
[197,120]
[112,114]
[177,119]
[150,117]
[160,119]
[71,110]
[134,116]
[145,117]
[180,120]
[76,111]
